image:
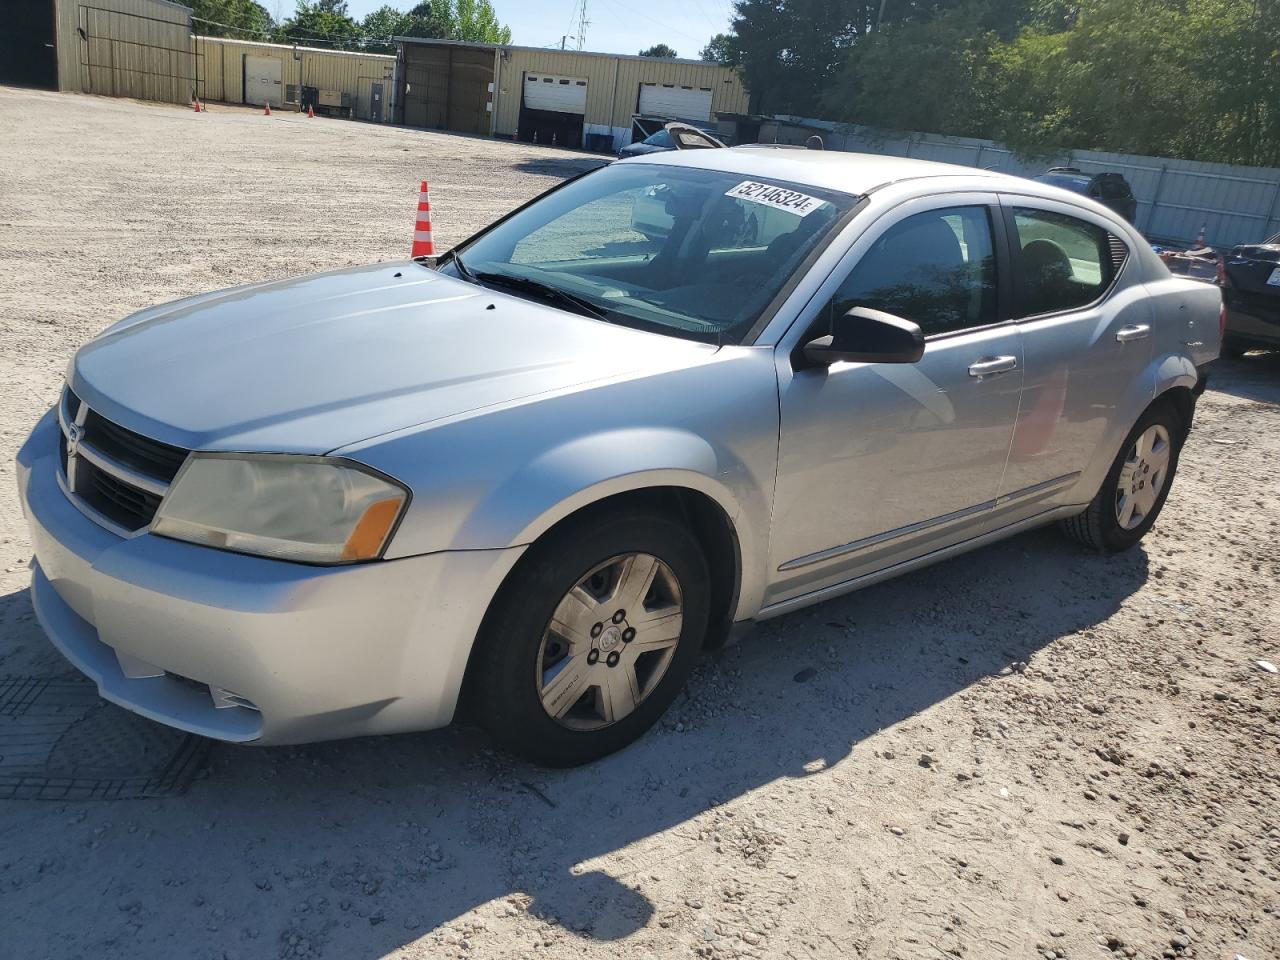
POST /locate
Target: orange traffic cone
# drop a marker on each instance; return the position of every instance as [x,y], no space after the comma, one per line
[1200,240]
[311,112]
[423,245]
[195,104]
[266,108]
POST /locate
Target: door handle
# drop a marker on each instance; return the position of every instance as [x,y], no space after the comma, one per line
[1136,331]
[992,365]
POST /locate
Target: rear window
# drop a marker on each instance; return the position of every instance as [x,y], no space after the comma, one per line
[1066,262]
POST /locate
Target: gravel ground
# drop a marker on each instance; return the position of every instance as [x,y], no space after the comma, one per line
[1029,751]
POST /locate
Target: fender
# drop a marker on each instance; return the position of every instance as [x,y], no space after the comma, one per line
[591,468]
[1164,373]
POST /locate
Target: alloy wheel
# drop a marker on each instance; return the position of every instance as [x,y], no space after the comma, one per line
[1142,476]
[609,641]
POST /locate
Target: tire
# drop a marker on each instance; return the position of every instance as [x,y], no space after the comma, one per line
[521,658]
[1103,526]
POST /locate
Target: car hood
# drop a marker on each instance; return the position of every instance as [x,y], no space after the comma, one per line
[319,362]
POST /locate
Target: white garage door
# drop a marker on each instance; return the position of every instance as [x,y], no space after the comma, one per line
[679,103]
[546,91]
[262,81]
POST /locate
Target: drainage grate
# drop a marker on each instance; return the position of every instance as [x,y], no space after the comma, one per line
[60,741]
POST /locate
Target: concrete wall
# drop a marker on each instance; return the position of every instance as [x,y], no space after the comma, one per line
[220,65]
[125,48]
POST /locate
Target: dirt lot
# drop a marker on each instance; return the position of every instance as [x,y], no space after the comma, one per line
[1029,751]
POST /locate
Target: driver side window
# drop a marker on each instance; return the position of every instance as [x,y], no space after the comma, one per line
[935,268]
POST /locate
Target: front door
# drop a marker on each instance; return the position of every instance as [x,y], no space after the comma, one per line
[883,463]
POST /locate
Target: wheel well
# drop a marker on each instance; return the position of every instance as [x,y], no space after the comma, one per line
[1183,402]
[715,534]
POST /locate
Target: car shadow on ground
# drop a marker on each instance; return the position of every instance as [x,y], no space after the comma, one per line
[563,167]
[359,847]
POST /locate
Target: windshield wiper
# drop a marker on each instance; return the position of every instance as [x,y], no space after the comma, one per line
[546,290]
[452,256]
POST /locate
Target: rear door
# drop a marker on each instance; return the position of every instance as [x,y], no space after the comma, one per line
[1086,337]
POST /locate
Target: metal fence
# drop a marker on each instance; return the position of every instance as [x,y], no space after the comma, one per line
[1176,198]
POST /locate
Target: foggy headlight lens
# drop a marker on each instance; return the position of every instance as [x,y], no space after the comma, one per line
[308,509]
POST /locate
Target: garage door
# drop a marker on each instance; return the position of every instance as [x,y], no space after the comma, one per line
[676,102]
[546,91]
[262,81]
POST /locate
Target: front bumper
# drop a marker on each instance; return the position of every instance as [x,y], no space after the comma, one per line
[247,649]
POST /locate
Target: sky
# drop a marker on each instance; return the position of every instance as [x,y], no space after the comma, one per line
[613,26]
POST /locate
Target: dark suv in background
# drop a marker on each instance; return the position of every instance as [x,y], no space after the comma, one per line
[1109,189]
[1250,279]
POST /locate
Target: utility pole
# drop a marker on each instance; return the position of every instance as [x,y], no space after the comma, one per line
[562,41]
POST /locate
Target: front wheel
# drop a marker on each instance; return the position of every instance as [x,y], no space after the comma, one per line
[1136,486]
[592,637]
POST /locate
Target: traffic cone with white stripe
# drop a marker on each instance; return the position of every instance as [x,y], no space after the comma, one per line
[195,104]
[423,245]
[266,108]
[311,112]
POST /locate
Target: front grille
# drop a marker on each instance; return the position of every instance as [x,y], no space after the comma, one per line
[115,499]
[155,459]
[120,476]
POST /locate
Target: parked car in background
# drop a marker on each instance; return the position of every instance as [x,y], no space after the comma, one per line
[1110,189]
[1250,279]
[674,136]
[535,482]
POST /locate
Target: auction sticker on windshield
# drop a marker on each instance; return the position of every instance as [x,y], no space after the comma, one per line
[780,198]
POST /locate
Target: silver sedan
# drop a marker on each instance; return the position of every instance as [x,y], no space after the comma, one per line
[530,482]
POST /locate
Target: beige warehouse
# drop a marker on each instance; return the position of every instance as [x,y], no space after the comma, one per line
[578,97]
[237,71]
[124,48]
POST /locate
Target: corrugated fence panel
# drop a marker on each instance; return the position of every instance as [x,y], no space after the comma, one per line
[126,48]
[1176,198]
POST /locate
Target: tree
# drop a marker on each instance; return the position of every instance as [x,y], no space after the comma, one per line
[381,25]
[323,23]
[659,50]
[477,21]
[720,49]
[243,19]
[950,87]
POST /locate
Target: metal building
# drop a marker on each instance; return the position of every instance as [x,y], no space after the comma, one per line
[358,85]
[573,98]
[117,48]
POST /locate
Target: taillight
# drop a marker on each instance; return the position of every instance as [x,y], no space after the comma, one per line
[1222,273]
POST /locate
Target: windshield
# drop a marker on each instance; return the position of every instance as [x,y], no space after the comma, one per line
[693,253]
[660,139]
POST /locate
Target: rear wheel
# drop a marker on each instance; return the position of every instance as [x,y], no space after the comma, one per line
[592,637]
[1136,486]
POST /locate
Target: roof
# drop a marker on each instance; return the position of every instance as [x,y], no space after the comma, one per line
[291,47]
[473,45]
[855,173]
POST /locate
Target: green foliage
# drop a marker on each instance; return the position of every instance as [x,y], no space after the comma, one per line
[1189,78]
[721,49]
[244,19]
[659,50]
[328,23]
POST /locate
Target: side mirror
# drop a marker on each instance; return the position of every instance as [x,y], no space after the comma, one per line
[867,336]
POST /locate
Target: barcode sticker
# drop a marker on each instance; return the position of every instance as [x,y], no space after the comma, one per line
[780,198]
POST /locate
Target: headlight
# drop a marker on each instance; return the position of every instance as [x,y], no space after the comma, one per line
[311,509]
